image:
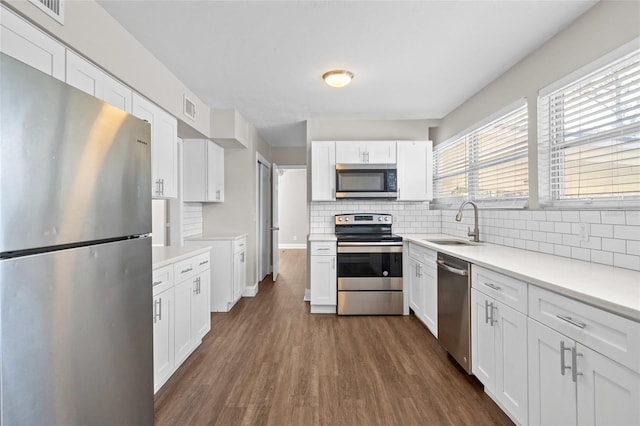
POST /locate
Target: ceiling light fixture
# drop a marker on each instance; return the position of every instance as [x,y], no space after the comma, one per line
[337,78]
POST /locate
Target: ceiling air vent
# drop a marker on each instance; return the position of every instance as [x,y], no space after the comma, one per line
[189,108]
[53,8]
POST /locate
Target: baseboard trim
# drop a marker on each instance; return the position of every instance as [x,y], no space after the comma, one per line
[251,291]
[323,309]
[307,295]
[299,246]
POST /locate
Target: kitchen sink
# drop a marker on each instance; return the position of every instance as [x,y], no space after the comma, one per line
[452,242]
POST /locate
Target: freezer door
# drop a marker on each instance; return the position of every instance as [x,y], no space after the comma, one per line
[76,338]
[72,168]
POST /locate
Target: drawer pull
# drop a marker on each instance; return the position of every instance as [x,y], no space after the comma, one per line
[572,321]
[323,248]
[493,286]
[157,282]
[184,271]
[204,262]
[563,367]
[574,362]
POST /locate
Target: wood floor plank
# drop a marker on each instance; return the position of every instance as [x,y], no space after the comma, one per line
[270,362]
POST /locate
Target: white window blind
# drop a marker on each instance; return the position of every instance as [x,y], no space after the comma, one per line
[490,163]
[589,138]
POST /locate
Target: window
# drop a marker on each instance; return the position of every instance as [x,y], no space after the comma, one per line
[488,164]
[589,138]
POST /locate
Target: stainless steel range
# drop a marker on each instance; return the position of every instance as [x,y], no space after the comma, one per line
[369,265]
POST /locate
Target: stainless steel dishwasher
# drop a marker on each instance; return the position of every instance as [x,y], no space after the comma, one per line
[454,308]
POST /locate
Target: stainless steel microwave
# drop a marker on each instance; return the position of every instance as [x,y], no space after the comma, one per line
[366,181]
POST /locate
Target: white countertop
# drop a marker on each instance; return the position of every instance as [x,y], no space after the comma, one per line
[165,255]
[216,236]
[322,237]
[614,289]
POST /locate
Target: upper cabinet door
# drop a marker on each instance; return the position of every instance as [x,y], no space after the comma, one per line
[365,152]
[84,76]
[117,94]
[381,152]
[21,40]
[415,170]
[164,155]
[323,171]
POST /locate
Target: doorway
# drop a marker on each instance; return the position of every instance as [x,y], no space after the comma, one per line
[263,178]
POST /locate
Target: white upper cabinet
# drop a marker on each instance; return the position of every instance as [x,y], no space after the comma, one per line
[24,42]
[323,171]
[85,76]
[415,170]
[203,171]
[164,156]
[365,152]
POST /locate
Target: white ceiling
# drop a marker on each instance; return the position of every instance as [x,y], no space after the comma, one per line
[411,60]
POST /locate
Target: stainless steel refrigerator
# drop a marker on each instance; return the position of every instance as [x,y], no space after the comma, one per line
[76,344]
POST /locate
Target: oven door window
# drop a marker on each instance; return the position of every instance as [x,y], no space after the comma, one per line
[361,181]
[354,265]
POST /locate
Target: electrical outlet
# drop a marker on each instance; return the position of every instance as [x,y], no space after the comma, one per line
[584,232]
[295,238]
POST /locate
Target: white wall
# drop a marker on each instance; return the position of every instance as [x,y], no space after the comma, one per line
[92,32]
[292,208]
[603,28]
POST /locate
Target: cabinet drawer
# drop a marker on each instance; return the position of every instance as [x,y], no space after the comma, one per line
[423,254]
[607,333]
[162,279]
[188,268]
[239,245]
[202,263]
[323,248]
[507,290]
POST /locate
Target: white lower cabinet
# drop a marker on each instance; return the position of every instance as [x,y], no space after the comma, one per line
[423,285]
[323,277]
[181,314]
[228,279]
[163,334]
[571,383]
[499,353]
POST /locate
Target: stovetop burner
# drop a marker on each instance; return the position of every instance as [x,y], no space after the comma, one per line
[365,227]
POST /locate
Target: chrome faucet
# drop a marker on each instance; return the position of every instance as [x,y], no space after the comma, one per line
[476,232]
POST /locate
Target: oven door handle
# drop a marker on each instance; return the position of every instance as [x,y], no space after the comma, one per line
[381,243]
[370,249]
[462,272]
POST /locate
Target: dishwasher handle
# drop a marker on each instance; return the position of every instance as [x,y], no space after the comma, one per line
[462,272]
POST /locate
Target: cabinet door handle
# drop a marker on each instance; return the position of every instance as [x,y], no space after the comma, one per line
[562,358]
[572,321]
[486,311]
[218,194]
[242,257]
[493,318]
[574,364]
[158,187]
[419,269]
[493,286]
[157,282]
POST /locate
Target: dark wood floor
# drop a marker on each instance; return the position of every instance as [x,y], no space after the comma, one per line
[270,362]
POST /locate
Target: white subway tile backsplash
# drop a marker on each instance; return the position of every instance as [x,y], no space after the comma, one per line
[570,216]
[627,232]
[604,257]
[613,217]
[590,216]
[614,236]
[581,253]
[554,215]
[633,247]
[611,245]
[602,230]
[632,217]
[626,261]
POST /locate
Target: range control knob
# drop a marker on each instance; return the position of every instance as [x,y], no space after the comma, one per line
[386,219]
[340,219]
[347,219]
[380,219]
